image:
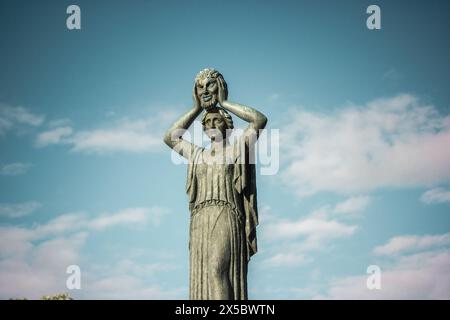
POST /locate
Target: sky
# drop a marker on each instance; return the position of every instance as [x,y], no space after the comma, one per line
[363,149]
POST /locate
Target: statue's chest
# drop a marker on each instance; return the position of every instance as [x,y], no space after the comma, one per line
[215,170]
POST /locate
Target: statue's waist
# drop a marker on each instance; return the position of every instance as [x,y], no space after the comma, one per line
[216,203]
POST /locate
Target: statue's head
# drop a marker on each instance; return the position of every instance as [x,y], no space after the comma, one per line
[206,87]
[216,122]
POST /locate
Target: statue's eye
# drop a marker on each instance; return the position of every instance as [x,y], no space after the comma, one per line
[211,84]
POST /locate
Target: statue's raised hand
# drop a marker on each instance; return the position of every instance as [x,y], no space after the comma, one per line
[221,92]
[195,99]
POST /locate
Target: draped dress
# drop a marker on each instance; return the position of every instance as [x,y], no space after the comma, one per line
[222,202]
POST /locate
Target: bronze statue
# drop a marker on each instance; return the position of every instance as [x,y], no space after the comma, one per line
[222,191]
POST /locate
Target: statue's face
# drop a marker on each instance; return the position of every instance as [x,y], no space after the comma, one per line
[214,126]
[207,92]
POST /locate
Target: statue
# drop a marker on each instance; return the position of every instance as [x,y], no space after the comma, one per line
[221,188]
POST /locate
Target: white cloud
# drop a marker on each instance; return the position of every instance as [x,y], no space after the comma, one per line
[395,142]
[287,259]
[129,266]
[13,116]
[15,169]
[17,240]
[68,222]
[129,216]
[407,244]
[423,275]
[76,221]
[436,195]
[289,241]
[33,260]
[117,139]
[54,136]
[349,208]
[130,287]
[129,279]
[352,205]
[321,224]
[63,122]
[125,135]
[19,209]
[412,267]
[41,271]
[311,227]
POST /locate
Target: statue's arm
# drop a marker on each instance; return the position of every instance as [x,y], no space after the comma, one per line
[173,137]
[257,120]
[175,132]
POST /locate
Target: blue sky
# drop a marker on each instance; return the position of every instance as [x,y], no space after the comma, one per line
[364,148]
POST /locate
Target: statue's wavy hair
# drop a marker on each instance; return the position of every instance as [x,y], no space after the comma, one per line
[225,116]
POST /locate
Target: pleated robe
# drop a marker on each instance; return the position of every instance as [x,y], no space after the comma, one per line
[223,219]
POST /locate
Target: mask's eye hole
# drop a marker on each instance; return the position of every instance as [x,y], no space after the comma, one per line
[211,84]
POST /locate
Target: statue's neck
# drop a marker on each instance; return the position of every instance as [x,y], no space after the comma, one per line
[216,145]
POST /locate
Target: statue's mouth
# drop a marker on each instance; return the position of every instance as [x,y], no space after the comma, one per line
[206,98]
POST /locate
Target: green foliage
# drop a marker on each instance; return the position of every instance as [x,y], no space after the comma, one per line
[59,296]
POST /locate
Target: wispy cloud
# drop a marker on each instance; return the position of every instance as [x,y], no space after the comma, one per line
[11,117]
[14,239]
[54,136]
[131,279]
[18,210]
[126,286]
[129,216]
[37,269]
[291,241]
[125,135]
[33,260]
[352,205]
[408,244]
[421,276]
[287,259]
[394,142]
[392,75]
[417,267]
[319,229]
[14,169]
[117,139]
[436,195]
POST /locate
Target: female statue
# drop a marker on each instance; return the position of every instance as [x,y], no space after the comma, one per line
[221,188]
